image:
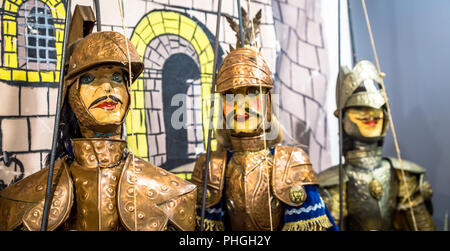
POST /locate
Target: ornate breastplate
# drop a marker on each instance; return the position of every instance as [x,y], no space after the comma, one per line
[247,185]
[96,171]
[371,191]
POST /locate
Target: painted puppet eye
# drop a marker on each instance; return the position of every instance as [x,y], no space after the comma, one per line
[87,78]
[117,77]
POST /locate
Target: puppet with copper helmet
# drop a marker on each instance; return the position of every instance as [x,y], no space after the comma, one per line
[98,185]
[375,193]
[255,184]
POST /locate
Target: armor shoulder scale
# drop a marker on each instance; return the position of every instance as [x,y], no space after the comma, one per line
[291,171]
[408,166]
[150,196]
[216,176]
[23,202]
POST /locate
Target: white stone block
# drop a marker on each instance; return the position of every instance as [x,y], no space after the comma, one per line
[34,101]
[9,96]
[15,135]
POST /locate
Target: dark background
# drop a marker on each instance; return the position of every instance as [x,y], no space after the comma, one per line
[412,39]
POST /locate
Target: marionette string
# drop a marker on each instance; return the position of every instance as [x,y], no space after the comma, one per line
[391,121]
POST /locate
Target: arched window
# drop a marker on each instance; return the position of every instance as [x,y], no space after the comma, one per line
[36,37]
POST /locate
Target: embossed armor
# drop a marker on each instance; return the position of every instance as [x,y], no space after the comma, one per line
[374,192]
[98,184]
[247,184]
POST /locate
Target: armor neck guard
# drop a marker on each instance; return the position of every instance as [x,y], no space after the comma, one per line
[365,156]
[255,143]
[99,152]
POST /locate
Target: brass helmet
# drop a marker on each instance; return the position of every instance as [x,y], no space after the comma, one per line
[361,87]
[88,50]
[243,67]
[101,48]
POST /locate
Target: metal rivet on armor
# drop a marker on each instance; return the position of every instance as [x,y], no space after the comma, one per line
[163,173]
[114,177]
[130,191]
[84,196]
[141,216]
[110,206]
[85,182]
[56,203]
[171,203]
[274,203]
[92,157]
[376,189]
[36,213]
[39,188]
[151,193]
[130,207]
[230,205]
[174,183]
[164,188]
[181,211]
[131,179]
[84,211]
[297,194]
[58,192]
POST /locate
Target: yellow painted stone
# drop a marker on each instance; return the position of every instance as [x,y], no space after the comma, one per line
[11,59]
[5,74]
[47,76]
[33,76]
[187,28]
[10,44]
[10,28]
[141,27]
[60,11]
[155,18]
[139,99]
[19,75]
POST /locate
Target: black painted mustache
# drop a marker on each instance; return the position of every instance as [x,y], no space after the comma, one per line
[230,116]
[104,98]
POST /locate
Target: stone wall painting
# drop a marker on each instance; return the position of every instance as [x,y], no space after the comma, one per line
[175,39]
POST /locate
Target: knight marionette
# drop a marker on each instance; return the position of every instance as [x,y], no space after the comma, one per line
[376,194]
[97,183]
[253,183]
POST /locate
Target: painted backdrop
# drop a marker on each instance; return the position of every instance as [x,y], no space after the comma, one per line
[175,39]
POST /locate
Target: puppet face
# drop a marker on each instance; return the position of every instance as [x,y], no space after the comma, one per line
[243,109]
[368,120]
[103,91]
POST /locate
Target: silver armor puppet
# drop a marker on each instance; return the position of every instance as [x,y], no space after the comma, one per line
[374,194]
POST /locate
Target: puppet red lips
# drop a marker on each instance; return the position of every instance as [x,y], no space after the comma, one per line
[107,105]
[244,116]
[371,122]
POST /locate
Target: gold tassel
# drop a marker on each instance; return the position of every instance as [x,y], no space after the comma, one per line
[211,225]
[316,224]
